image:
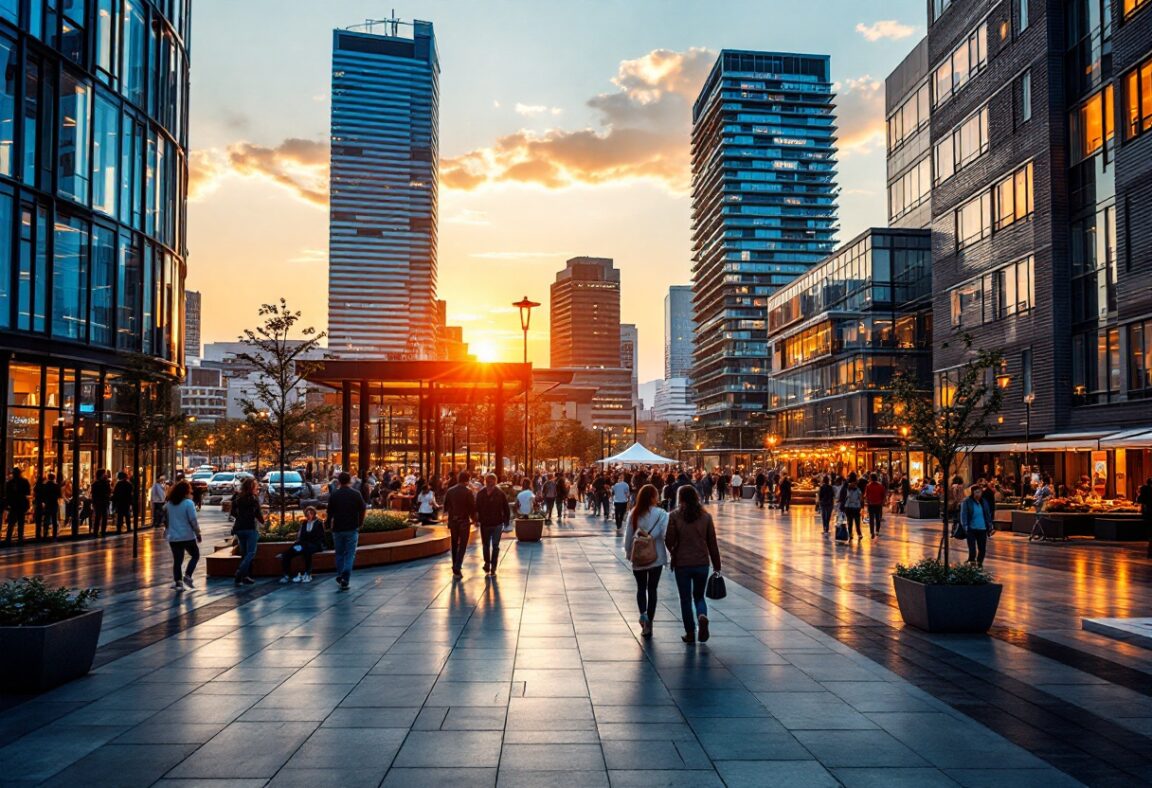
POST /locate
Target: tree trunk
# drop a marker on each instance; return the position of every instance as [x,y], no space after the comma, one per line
[947,487]
[283,498]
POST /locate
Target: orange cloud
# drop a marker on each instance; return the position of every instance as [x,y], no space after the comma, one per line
[859,115]
[644,132]
[298,165]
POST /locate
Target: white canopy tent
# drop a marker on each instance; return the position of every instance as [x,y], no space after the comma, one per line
[637,455]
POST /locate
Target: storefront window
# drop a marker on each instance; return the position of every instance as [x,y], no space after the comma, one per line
[70,279]
[74,138]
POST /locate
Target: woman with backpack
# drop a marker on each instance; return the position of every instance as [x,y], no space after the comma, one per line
[644,547]
[851,502]
[691,541]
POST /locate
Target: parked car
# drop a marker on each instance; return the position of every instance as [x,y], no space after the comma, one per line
[222,485]
[293,488]
[200,479]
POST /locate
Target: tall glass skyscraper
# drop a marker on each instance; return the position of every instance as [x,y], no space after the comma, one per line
[678,332]
[763,212]
[382,221]
[93,177]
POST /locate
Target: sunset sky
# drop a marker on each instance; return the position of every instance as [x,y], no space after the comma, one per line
[563,131]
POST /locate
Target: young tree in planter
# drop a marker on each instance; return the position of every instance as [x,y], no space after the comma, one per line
[279,390]
[956,419]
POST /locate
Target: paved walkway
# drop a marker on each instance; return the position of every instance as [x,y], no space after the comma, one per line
[539,678]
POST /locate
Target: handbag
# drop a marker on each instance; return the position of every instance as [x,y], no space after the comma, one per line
[643,548]
[715,589]
[959,531]
[841,532]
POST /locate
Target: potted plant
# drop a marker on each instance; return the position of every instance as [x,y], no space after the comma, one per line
[530,527]
[47,635]
[936,597]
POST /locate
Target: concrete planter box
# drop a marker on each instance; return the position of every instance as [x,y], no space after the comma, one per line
[1057,525]
[922,510]
[529,530]
[34,659]
[942,608]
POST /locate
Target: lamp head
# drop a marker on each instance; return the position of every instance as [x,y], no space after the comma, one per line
[525,306]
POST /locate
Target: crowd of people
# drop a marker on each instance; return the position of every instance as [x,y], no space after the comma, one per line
[107,503]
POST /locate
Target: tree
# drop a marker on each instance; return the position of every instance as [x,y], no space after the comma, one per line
[956,419]
[676,438]
[283,364]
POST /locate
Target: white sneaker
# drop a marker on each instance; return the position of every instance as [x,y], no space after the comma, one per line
[307,578]
[299,578]
[285,579]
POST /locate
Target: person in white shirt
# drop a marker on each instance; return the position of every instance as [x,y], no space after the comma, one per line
[621,492]
[427,506]
[156,497]
[525,501]
[737,484]
[647,516]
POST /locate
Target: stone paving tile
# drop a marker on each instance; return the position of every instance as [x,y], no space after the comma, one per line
[231,753]
[645,778]
[122,765]
[450,748]
[754,774]
[517,778]
[440,777]
[854,748]
[894,778]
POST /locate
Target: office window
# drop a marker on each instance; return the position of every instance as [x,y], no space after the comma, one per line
[10,10]
[1132,6]
[966,143]
[910,189]
[1092,125]
[1026,97]
[107,17]
[1138,100]
[73,19]
[133,36]
[967,304]
[73,138]
[40,275]
[1140,357]
[6,259]
[103,280]
[965,62]
[974,220]
[10,61]
[70,279]
[129,287]
[909,117]
[1026,371]
[105,156]
[1012,289]
[1022,15]
[939,6]
[1013,197]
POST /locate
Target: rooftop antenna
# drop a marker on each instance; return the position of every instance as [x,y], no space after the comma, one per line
[391,25]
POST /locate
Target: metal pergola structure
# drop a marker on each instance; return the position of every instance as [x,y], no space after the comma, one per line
[433,385]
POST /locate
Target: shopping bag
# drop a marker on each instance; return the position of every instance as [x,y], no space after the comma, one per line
[715,588]
[841,532]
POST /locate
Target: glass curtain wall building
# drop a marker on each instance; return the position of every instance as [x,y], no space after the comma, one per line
[837,336]
[384,181]
[763,213]
[93,175]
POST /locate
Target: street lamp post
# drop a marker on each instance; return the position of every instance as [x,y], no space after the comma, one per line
[904,430]
[525,306]
[1029,398]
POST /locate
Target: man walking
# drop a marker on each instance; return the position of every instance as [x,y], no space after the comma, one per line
[492,512]
[101,494]
[16,492]
[620,494]
[874,495]
[460,506]
[346,510]
[549,489]
[123,501]
[46,499]
[156,497]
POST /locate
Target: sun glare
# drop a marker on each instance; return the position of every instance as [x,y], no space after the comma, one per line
[485,351]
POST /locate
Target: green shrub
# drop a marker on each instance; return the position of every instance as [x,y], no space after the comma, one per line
[30,602]
[931,572]
[375,522]
[380,521]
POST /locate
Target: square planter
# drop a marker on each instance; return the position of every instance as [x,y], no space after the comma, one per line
[35,659]
[922,510]
[942,608]
[529,530]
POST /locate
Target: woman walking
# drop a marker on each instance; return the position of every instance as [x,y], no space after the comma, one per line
[976,518]
[851,504]
[309,540]
[648,525]
[825,498]
[691,542]
[182,532]
[246,510]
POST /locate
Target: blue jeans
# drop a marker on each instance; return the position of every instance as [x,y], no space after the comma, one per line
[345,544]
[246,540]
[490,539]
[691,582]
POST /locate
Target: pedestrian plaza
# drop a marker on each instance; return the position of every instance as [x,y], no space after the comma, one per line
[539,676]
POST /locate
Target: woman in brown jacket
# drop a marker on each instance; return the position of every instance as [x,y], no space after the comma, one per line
[691,542]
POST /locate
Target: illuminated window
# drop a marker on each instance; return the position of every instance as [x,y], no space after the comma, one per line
[965,62]
[1138,100]
[967,142]
[974,220]
[1092,124]
[1013,197]
[1132,6]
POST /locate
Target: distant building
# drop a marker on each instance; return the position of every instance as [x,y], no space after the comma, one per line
[629,356]
[450,344]
[678,332]
[673,401]
[384,177]
[204,393]
[763,213]
[611,405]
[191,327]
[585,314]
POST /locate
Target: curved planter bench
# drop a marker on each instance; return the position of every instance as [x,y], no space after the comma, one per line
[916,509]
[373,549]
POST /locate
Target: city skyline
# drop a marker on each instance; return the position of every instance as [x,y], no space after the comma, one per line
[516,144]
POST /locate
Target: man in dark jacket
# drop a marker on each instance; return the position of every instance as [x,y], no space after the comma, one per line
[47,501]
[123,499]
[492,513]
[460,506]
[101,493]
[346,510]
[16,492]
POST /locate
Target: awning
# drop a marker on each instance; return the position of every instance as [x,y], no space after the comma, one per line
[1064,441]
[1140,438]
